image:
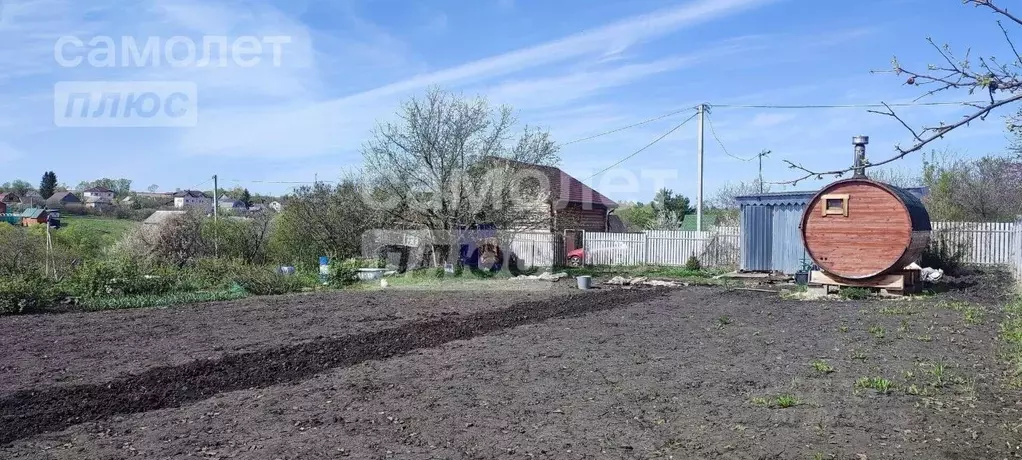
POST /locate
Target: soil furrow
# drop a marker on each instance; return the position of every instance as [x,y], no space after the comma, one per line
[30,412]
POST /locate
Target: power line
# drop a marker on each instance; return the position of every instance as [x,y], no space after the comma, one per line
[709,121]
[643,122]
[842,106]
[644,147]
[278,182]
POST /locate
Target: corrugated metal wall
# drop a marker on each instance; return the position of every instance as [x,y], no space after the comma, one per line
[757,230]
[788,250]
[771,240]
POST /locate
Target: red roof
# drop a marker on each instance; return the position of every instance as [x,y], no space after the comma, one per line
[566,189]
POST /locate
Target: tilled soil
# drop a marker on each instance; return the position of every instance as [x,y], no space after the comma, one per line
[79,348]
[692,373]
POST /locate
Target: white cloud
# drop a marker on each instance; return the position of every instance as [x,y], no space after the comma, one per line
[314,129]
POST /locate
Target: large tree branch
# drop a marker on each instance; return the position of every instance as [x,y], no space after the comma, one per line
[953,75]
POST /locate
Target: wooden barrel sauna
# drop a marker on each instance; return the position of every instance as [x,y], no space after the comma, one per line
[858,228]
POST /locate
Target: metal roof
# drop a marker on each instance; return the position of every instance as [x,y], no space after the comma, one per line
[776,198]
[803,197]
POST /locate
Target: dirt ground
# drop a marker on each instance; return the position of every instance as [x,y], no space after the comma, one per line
[688,373]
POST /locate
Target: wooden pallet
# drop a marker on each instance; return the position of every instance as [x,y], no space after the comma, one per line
[900,283]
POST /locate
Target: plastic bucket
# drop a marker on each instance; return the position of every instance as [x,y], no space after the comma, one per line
[584,282]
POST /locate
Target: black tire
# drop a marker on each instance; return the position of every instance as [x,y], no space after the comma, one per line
[575,261]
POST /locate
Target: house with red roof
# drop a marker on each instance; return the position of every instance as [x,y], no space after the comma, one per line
[568,204]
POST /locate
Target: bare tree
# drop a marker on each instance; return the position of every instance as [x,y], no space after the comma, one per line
[450,162]
[897,177]
[725,200]
[999,81]
[988,189]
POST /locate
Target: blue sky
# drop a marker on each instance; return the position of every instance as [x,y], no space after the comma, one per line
[574,67]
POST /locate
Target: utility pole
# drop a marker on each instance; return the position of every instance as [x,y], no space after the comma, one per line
[760,156]
[699,149]
[215,187]
[216,204]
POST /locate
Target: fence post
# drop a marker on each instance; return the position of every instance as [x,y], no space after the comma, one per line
[645,248]
[1017,246]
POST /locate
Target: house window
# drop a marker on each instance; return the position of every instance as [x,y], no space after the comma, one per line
[835,205]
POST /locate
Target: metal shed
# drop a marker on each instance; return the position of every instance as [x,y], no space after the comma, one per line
[771,240]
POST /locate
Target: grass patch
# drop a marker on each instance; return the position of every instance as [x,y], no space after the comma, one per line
[701,276]
[786,401]
[723,321]
[162,300]
[878,384]
[1011,338]
[854,293]
[877,332]
[778,402]
[112,229]
[972,314]
[822,366]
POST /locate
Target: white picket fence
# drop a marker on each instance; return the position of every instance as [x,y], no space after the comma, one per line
[718,248]
[983,244]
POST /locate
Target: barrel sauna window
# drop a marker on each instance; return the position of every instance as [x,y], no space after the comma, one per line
[835,205]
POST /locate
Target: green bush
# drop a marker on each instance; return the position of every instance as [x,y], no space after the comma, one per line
[119,278]
[26,294]
[693,264]
[345,272]
[854,293]
[945,255]
[266,281]
[213,274]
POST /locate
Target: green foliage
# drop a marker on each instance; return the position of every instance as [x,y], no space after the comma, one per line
[945,255]
[879,384]
[26,294]
[987,189]
[150,301]
[636,217]
[693,264]
[18,187]
[1011,339]
[322,220]
[265,281]
[854,293]
[345,272]
[118,186]
[113,278]
[822,367]
[238,239]
[786,401]
[666,200]
[48,184]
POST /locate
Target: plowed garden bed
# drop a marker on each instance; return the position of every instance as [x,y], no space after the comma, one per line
[691,373]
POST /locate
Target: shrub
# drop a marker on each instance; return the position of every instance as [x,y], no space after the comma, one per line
[26,294]
[211,274]
[119,278]
[345,272]
[693,264]
[265,281]
[854,293]
[946,255]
